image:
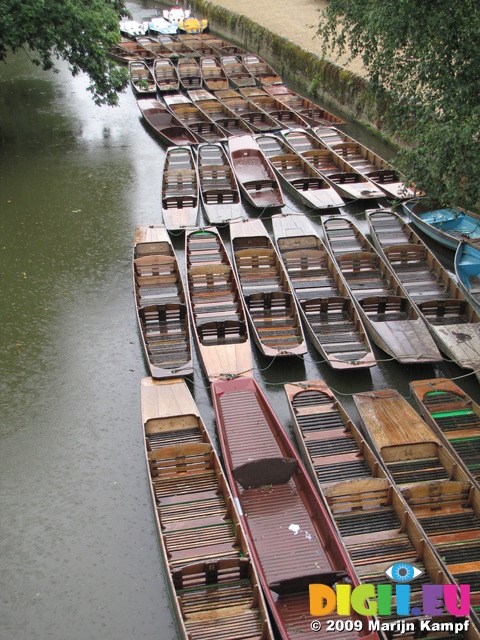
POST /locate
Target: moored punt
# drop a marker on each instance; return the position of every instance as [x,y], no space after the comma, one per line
[262,72]
[329,313]
[269,299]
[180,191]
[224,48]
[236,71]
[141,79]
[280,112]
[219,112]
[218,186]
[453,416]
[204,129]
[201,45]
[218,312]
[388,314]
[297,175]
[125,51]
[213,75]
[158,49]
[189,74]
[292,540]
[254,173]
[346,180]
[165,74]
[164,124]
[213,585]
[160,304]
[443,224]
[451,319]
[257,119]
[467,271]
[313,114]
[178,48]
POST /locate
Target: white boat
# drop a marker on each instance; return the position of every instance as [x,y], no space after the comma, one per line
[159,25]
[132,28]
[176,14]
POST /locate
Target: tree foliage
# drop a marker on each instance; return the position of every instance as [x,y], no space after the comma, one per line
[423,60]
[79,31]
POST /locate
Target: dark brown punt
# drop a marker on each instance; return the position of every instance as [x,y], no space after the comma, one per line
[224,48]
[205,129]
[434,482]
[156,47]
[180,189]
[327,310]
[141,79]
[453,416]
[388,314]
[258,120]
[213,585]
[165,74]
[255,176]
[125,51]
[270,303]
[164,124]
[218,186]
[297,175]
[160,304]
[213,75]
[218,312]
[236,71]
[219,112]
[303,106]
[292,540]
[260,70]
[348,181]
[451,319]
[280,112]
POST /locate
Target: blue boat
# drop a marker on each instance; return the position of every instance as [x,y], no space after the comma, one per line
[444,225]
[467,270]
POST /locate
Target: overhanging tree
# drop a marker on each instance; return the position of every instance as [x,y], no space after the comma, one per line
[78,31]
[423,60]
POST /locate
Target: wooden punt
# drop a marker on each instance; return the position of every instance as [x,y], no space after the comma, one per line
[467,271]
[213,75]
[178,48]
[127,50]
[219,112]
[224,48]
[180,190]
[388,314]
[160,304]
[165,74]
[451,319]
[217,307]
[292,540]
[219,190]
[204,129]
[257,119]
[164,124]
[262,72]
[280,112]
[297,175]
[213,585]
[157,48]
[367,162]
[349,183]
[445,225]
[236,72]
[141,79]
[255,176]
[270,303]
[328,312]
[313,114]
[189,74]
[201,46]
[453,416]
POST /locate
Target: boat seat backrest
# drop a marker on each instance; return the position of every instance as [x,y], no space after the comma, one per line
[443,308]
[213,572]
[404,254]
[357,261]
[223,331]
[383,305]
[155,265]
[358,495]
[191,458]
[255,258]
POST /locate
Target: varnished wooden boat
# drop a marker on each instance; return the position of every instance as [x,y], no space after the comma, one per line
[189,74]
[165,74]
[328,312]
[256,178]
[224,48]
[178,48]
[141,79]
[467,271]
[204,129]
[180,189]
[262,72]
[157,48]
[218,312]
[200,45]
[349,183]
[213,75]
[219,112]
[445,225]
[451,319]
[270,303]
[286,117]
[160,304]
[313,114]
[367,162]
[297,175]
[258,120]
[236,72]
[388,314]
[127,50]
[164,124]
[213,585]
[453,416]
[219,190]
[292,540]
